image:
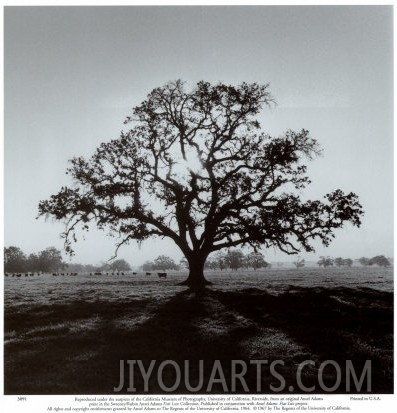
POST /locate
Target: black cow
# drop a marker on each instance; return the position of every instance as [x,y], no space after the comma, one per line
[162,274]
[148,273]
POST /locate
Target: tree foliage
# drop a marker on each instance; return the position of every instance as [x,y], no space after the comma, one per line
[120,265]
[14,259]
[195,167]
[348,262]
[234,259]
[341,262]
[163,262]
[219,260]
[379,260]
[256,260]
[363,261]
[50,260]
[148,266]
[183,263]
[325,262]
[299,263]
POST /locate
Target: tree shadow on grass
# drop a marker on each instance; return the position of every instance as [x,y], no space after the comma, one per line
[76,348]
[335,324]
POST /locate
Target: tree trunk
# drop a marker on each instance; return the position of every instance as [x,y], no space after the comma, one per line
[196,279]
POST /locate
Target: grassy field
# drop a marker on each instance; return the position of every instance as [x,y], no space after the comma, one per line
[67,335]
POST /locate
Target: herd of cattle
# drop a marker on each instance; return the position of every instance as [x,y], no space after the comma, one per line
[74,274]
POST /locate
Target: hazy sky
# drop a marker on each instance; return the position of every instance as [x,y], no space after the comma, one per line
[73,73]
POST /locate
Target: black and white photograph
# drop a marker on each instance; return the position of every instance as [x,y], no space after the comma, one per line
[198,201]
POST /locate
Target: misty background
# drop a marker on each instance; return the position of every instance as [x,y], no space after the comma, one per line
[72,75]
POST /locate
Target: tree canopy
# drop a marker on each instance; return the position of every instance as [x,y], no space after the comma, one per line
[234,259]
[15,260]
[162,262]
[325,262]
[379,260]
[256,260]
[364,261]
[120,265]
[194,166]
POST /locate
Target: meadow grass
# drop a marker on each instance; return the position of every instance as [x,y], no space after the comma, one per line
[67,335]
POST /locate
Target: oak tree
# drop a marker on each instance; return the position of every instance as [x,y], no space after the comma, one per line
[234,259]
[120,265]
[379,260]
[14,259]
[162,262]
[256,260]
[364,261]
[325,262]
[195,166]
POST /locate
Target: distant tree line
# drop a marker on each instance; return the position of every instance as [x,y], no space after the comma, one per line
[15,260]
[379,260]
[338,262]
[116,265]
[235,259]
[50,260]
[232,259]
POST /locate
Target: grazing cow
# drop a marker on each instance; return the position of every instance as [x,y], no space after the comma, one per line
[162,274]
[134,273]
[148,273]
[122,273]
[98,273]
[6,274]
[19,275]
